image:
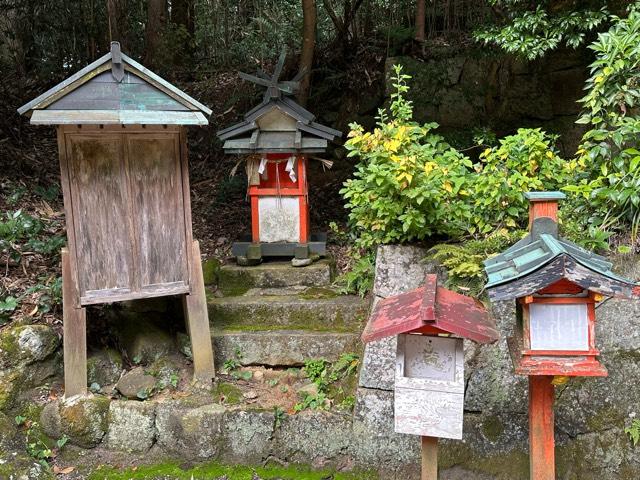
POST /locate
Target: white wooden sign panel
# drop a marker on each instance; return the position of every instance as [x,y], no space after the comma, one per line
[279,219]
[558,326]
[429,386]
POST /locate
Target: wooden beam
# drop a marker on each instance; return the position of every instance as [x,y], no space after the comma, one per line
[196,315]
[541,439]
[429,458]
[74,333]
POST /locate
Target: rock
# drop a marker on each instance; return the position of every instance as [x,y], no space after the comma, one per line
[16,382]
[282,347]
[210,271]
[400,268]
[250,395]
[144,340]
[301,262]
[236,280]
[104,367]
[82,418]
[19,466]
[374,411]
[258,375]
[248,262]
[309,310]
[131,426]
[379,364]
[7,431]
[184,344]
[190,432]
[310,389]
[165,370]
[136,384]
[24,345]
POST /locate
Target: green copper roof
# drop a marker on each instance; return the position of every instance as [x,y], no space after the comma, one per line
[537,251]
[542,196]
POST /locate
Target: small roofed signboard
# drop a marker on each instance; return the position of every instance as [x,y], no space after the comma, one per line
[431,323]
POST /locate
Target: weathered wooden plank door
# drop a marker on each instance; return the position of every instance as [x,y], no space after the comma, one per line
[100,203]
[127,196]
[158,212]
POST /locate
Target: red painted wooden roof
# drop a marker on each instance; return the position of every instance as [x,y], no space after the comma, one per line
[430,309]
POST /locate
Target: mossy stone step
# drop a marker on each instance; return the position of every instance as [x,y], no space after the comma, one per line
[313,309]
[285,348]
[236,280]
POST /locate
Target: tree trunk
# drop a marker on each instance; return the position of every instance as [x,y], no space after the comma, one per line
[113,18]
[420,20]
[309,22]
[156,16]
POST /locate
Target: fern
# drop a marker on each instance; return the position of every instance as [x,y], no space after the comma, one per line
[634,432]
[463,261]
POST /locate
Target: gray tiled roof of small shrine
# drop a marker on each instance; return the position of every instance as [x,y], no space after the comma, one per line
[538,249]
[246,136]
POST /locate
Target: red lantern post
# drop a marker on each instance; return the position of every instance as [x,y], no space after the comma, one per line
[556,285]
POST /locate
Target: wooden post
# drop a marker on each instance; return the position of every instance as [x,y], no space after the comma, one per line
[429,458]
[197,317]
[541,439]
[74,333]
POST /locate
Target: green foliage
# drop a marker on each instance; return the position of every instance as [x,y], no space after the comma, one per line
[633,431]
[608,161]
[324,375]
[278,417]
[409,183]
[526,161]
[531,29]
[359,278]
[463,261]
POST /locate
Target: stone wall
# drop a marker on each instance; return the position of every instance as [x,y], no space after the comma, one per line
[473,88]
[591,414]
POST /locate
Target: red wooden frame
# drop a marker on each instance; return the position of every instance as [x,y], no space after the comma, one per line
[557,362]
[287,189]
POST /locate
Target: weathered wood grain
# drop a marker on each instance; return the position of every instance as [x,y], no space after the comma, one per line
[74,333]
[197,317]
[541,428]
[100,202]
[153,163]
[429,458]
[429,386]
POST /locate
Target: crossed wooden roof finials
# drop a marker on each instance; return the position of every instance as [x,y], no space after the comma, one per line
[278,124]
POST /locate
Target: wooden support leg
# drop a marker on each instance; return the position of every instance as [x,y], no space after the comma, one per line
[429,458]
[195,312]
[74,333]
[541,440]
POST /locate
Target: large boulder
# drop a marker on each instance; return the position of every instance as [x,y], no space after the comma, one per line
[144,337]
[136,384]
[131,426]
[27,344]
[104,367]
[83,419]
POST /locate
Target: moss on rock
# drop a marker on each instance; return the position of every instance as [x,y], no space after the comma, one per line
[211,271]
[227,393]
[84,420]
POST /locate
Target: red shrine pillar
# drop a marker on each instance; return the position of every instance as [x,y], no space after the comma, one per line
[541,427]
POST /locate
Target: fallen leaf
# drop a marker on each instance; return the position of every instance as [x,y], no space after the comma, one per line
[63,471]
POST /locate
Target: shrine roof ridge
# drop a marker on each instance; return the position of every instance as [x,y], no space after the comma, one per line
[115,89]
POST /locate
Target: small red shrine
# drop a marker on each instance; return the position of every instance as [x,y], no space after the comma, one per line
[431,323]
[278,135]
[556,285]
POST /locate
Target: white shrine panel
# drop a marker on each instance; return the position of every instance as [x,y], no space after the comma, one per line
[279,219]
[429,386]
[558,326]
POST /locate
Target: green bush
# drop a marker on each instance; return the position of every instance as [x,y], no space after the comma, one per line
[526,161]
[409,183]
[608,160]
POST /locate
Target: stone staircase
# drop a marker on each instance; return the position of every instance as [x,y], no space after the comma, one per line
[277,315]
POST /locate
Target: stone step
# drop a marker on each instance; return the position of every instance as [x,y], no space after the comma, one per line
[314,309]
[236,280]
[284,348]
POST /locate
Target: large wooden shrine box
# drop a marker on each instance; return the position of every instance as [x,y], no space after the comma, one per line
[124,168]
[129,227]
